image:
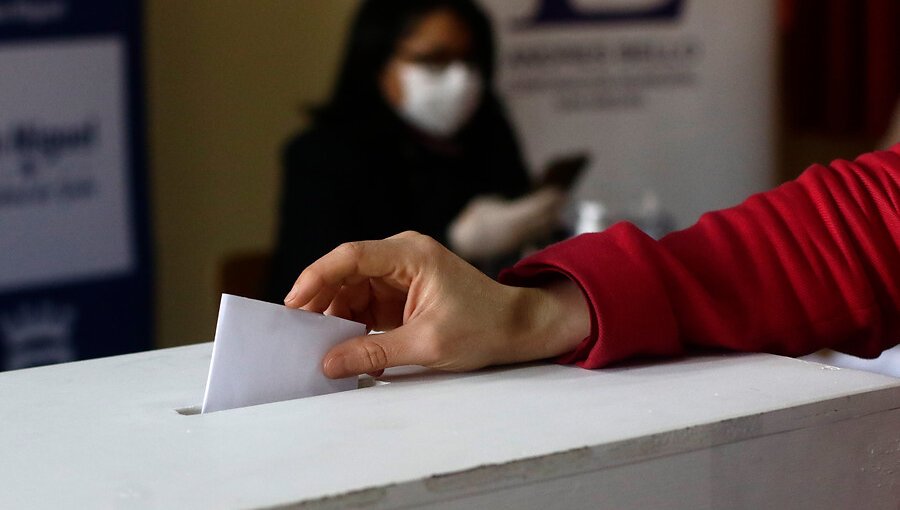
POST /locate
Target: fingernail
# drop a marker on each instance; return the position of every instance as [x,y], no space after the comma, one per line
[334,365]
[290,297]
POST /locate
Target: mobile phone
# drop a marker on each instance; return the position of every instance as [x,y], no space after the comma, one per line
[562,172]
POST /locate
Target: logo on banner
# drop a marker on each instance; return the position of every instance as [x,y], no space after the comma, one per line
[43,162]
[35,335]
[580,68]
[566,11]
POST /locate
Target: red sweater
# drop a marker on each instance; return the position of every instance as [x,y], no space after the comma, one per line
[814,263]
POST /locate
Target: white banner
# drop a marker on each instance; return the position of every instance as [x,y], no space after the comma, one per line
[64,203]
[671,98]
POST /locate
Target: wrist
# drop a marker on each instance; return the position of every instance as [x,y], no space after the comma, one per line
[569,319]
[551,320]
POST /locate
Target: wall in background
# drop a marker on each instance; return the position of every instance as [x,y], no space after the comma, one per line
[225,82]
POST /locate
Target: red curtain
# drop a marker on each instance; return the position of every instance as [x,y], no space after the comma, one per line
[841,63]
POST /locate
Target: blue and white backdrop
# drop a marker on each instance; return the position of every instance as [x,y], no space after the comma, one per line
[74,251]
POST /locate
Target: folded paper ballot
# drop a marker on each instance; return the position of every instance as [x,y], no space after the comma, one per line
[267,353]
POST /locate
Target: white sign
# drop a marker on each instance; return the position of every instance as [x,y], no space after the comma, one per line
[672,97]
[64,204]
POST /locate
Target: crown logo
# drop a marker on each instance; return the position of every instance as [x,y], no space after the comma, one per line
[35,335]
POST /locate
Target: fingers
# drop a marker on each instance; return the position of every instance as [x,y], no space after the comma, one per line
[371,354]
[352,302]
[325,277]
[347,264]
[321,301]
[352,263]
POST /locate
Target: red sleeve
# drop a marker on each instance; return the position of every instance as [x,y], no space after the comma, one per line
[814,263]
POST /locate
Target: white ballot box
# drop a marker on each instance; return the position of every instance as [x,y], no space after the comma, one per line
[721,431]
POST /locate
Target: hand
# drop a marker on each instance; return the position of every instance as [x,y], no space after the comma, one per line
[437,310]
[490,226]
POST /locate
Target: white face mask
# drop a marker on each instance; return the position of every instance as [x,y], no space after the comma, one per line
[439,102]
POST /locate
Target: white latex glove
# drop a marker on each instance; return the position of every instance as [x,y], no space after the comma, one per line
[490,225]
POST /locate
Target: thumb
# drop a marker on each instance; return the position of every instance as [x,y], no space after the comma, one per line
[371,353]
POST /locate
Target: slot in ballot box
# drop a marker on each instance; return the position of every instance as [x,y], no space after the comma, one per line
[720,431]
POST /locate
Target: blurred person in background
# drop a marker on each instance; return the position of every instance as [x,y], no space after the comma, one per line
[412,138]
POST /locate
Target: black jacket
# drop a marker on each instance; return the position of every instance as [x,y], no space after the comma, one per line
[347,180]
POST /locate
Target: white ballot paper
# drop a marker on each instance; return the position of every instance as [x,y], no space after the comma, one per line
[267,353]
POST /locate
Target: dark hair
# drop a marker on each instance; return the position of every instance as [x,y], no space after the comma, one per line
[377,29]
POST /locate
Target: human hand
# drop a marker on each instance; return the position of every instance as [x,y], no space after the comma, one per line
[490,225]
[437,310]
